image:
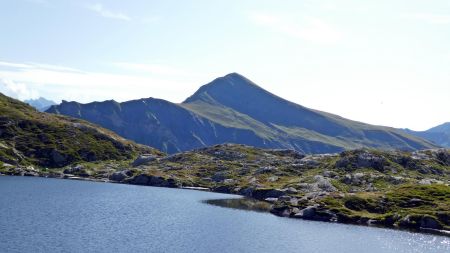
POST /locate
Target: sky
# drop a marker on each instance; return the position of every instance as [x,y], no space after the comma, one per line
[384,62]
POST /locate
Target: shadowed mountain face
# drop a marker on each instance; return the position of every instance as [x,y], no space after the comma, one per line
[234,109]
[440,135]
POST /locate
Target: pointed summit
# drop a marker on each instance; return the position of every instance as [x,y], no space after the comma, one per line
[236,92]
[226,87]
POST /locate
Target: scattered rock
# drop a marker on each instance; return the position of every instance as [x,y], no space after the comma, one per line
[428,181]
[287,152]
[396,180]
[320,184]
[266,170]
[219,176]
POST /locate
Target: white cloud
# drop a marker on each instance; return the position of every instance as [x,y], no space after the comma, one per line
[31,65]
[102,11]
[431,18]
[311,29]
[16,90]
[59,82]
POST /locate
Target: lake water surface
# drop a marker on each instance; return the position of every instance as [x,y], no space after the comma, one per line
[52,215]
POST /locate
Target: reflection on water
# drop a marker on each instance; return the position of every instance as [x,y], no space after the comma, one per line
[241,204]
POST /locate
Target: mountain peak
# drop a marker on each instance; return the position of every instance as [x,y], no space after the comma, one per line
[40,103]
[227,86]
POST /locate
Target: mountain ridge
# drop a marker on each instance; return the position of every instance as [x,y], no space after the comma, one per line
[234,109]
[440,135]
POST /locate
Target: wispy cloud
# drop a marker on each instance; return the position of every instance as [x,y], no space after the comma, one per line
[26,80]
[431,18]
[16,90]
[106,13]
[31,65]
[309,28]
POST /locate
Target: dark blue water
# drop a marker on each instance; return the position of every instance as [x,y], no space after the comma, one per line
[52,215]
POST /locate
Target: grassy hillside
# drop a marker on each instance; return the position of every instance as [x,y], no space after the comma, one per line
[440,135]
[29,137]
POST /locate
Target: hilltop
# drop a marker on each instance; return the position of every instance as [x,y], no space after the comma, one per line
[29,137]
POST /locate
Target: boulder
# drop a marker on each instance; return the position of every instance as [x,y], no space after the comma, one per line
[248,192]
[219,176]
[263,193]
[314,213]
[290,190]
[141,179]
[30,174]
[120,175]
[223,189]
[272,179]
[429,223]
[324,184]
[283,211]
[74,170]
[368,160]
[307,213]
[143,159]
[266,170]
[271,200]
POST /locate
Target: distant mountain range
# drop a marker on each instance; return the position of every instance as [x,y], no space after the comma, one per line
[232,109]
[41,104]
[439,135]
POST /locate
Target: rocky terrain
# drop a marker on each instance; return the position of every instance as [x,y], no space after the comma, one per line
[367,187]
[29,137]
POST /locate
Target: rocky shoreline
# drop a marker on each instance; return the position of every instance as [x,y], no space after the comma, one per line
[281,201]
[395,189]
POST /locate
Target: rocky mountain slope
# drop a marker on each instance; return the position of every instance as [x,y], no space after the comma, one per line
[235,110]
[440,135]
[29,137]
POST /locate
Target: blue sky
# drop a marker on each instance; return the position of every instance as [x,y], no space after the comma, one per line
[381,62]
